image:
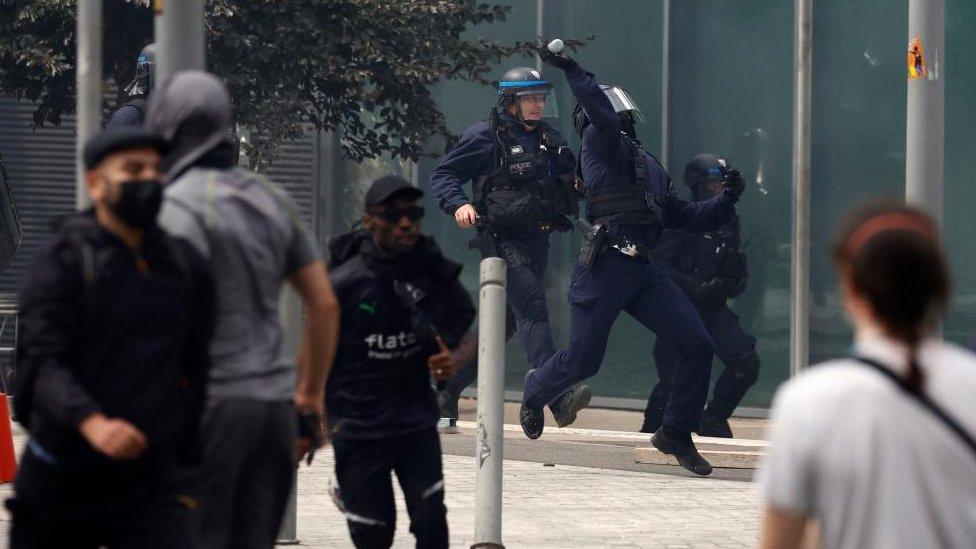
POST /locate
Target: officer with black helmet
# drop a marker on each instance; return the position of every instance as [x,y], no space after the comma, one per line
[710,269]
[133,111]
[523,175]
[630,199]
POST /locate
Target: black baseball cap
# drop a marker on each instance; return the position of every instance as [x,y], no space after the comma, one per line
[116,139]
[388,187]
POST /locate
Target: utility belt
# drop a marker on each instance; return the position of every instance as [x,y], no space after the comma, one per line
[596,241]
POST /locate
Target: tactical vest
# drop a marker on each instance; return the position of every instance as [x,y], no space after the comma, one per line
[633,204]
[528,189]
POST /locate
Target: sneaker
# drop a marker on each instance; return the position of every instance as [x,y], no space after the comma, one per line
[683,449]
[565,408]
[447,401]
[712,426]
[533,421]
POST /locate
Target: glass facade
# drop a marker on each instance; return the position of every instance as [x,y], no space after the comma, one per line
[731,93]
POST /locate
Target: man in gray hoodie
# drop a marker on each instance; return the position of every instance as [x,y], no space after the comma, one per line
[249,230]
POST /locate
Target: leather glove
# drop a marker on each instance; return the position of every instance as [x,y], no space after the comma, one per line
[735,185]
[558,60]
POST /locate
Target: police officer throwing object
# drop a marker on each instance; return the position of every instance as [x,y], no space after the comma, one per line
[115,320]
[250,232]
[523,175]
[133,111]
[710,269]
[403,312]
[629,199]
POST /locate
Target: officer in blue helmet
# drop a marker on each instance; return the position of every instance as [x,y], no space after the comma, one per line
[522,172]
[133,111]
[630,199]
[710,268]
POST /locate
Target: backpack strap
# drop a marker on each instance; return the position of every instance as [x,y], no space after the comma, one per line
[923,399]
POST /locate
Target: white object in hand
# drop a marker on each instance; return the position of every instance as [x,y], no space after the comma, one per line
[556,46]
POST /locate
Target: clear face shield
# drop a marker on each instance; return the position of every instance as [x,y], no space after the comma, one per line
[537,102]
[622,102]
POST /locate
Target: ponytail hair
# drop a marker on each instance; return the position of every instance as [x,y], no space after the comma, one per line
[891,256]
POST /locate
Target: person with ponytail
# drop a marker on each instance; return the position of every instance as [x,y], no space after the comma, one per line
[876,450]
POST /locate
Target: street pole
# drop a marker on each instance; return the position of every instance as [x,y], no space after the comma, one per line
[925,153]
[88,74]
[800,249]
[180,42]
[491,405]
[665,79]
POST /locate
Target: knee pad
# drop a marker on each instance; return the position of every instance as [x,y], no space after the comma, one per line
[745,368]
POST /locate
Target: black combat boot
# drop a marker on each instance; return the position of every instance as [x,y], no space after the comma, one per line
[533,421]
[714,426]
[679,445]
[565,408]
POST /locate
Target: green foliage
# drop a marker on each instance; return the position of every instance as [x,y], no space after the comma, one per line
[363,68]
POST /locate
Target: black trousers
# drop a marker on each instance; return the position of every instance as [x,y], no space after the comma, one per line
[249,467]
[54,509]
[364,473]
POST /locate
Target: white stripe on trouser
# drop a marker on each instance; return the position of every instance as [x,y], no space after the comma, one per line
[434,488]
[353,517]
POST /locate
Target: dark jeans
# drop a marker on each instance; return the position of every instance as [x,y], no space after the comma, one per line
[363,470]
[600,293]
[249,466]
[68,510]
[735,348]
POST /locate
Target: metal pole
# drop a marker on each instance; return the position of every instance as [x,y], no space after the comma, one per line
[800,250]
[491,413]
[290,315]
[540,9]
[924,154]
[88,72]
[665,79]
[180,40]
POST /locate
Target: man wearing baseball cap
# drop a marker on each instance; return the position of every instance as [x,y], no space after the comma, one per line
[114,324]
[405,319]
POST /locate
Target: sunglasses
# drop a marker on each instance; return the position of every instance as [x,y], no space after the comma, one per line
[394,215]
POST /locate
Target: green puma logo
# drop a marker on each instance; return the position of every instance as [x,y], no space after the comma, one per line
[371,309]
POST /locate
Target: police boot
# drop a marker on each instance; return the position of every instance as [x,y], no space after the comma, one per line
[533,421]
[679,445]
[447,401]
[565,408]
[714,426]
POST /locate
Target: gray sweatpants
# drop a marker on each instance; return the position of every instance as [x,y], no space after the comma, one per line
[242,486]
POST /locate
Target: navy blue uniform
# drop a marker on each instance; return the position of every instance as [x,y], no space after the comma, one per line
[709,268]
[526,251]
[617,283]
[379,397]
[133,113]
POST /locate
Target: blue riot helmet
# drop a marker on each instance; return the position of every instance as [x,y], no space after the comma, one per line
[145,77]
[522,81]
[702,169]
[622,104]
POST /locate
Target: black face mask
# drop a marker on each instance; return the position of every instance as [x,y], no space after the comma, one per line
[138,203]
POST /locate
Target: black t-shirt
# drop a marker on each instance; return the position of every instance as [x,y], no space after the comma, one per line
[380,383]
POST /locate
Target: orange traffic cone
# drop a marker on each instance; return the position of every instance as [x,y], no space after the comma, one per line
[8,462]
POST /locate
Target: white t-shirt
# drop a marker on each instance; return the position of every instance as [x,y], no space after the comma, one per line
[879,470]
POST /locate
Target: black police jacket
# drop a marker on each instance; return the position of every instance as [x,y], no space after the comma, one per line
[380,384]
[102,330]
[708,265]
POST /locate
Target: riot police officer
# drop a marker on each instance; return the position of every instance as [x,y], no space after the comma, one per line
[710,269]
[522,170]
[629,200]
[133,111]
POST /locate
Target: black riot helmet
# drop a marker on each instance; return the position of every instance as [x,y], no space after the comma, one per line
[145,77]
[702,169]
[625,107]
[521,81]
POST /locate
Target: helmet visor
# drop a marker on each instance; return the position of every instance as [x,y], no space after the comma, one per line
[622,102]
[543,89]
